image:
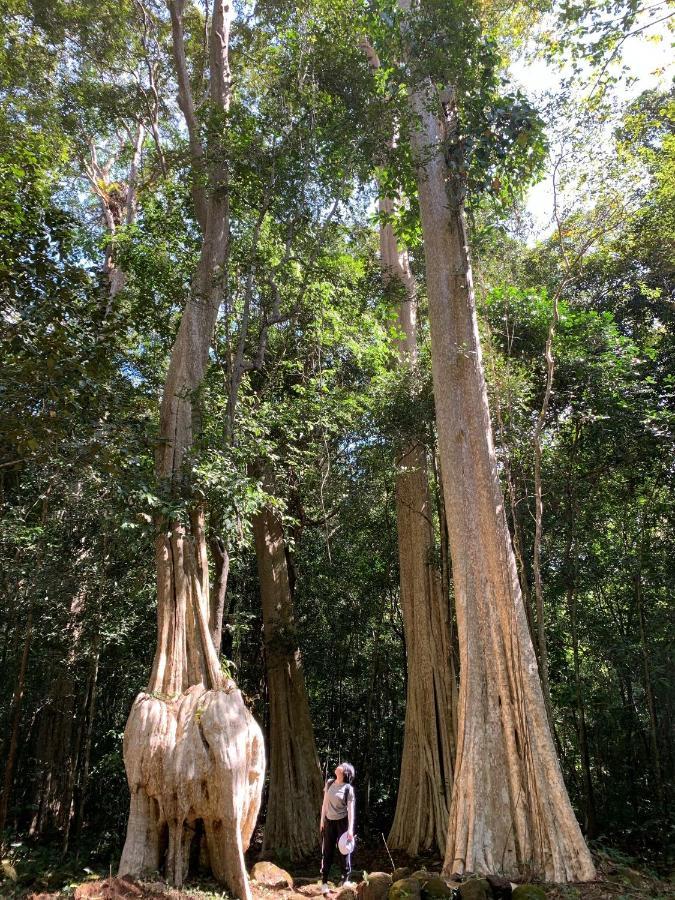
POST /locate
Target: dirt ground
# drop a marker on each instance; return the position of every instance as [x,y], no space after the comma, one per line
[615,882]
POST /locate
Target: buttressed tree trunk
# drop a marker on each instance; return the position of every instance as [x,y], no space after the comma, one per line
[192,750]
[425,786]
[295,787]
[510,810]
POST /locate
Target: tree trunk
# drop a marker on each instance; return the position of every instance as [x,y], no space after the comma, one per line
[192,750]
[193,753]
[15,723]
[295,787]
[649,690]
[86,751]
[510,809]
[425,785]
[56,745]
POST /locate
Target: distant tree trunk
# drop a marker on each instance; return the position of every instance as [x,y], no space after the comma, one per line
[295,786]
[86,751]
[15,723]
[425,785]
[510,810]
[193,753]
[570,573]
[56,744]
[649,689]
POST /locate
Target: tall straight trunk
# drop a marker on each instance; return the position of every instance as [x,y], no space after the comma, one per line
[193,753]
[425,785]
[15,723]
[510,809]
[295,785]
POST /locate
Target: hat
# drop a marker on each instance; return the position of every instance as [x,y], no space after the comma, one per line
[345,844]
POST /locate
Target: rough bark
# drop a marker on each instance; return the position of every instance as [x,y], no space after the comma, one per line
[295,785]
[510,809]
[193,753]
[425,785]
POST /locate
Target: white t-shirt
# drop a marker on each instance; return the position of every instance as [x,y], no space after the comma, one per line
[337,797]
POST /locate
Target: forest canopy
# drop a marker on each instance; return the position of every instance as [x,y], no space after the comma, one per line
[315,447]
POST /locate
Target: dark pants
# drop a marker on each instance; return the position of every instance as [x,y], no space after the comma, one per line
[332,830]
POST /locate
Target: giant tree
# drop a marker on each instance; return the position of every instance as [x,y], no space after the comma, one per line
[193,753]
[510,810]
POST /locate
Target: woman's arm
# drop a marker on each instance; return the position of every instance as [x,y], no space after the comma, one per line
[351,811]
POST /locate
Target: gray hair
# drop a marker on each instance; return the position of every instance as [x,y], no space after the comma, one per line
[348,772]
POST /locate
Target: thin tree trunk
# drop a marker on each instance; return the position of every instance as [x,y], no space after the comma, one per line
[649,690]
[193,753]
[510,810]
[56,744]
[15,723]
[219,611]
[86,754]
[539,513]
[570,570]
[591,816]
[295,785]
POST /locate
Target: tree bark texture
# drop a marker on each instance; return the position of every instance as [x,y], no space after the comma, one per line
[425,785]
[295,785]
[510,810]
[192,750]
[193,753]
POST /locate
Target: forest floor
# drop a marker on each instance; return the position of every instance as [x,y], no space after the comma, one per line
[619,878]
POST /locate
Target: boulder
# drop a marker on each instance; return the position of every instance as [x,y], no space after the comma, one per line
[435,888]
[271,876]
[346,892]
[475,889]
[501,887]
[529,892]
[398,874]
[375,886]
[405,889]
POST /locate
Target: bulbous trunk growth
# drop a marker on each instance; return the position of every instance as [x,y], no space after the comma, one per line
[510,809]
[295,787]
[425,786]
[193,753]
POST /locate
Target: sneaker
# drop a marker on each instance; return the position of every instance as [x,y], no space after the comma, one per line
[324,888]
[349,884]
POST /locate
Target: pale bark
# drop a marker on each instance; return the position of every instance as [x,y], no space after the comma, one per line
[295,785]
[193,753]
[510,810]
[425,785]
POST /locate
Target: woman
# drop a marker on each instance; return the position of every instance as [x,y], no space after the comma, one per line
[337,817]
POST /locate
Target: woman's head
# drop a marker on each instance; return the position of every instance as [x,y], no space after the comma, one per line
[346,770]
